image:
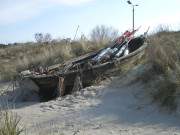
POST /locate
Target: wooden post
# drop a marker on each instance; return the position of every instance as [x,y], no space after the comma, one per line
[61,86]
[77,84]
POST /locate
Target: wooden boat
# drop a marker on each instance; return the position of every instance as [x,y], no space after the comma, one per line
[62,81]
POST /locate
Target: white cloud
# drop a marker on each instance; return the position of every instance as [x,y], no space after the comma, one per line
[18,10]
[172,21]
[69,2]
[11,13]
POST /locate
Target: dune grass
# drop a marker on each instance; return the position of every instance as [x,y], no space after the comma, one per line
[17,58]
[163,54]
[160,68]
[9,123]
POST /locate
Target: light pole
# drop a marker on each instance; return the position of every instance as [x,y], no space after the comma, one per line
[133,5]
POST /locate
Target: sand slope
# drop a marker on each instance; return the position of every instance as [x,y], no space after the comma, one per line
[114,107]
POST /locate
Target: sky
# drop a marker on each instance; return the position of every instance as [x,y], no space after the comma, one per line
[21,19]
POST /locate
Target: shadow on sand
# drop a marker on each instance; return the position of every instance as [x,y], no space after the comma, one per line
[129,105]
[18,95]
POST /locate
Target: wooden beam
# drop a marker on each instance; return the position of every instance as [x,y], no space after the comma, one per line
[61,86]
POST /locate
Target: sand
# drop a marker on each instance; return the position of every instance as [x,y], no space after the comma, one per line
[115,107]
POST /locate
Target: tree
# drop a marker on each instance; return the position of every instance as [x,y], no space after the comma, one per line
[47,38]
[39,37]
[43,38]
[103,34]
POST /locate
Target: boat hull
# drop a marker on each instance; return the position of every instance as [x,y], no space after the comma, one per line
[62,83]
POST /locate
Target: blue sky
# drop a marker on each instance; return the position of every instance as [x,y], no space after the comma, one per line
[21,19]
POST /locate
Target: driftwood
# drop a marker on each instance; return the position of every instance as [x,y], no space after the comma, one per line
[61,87]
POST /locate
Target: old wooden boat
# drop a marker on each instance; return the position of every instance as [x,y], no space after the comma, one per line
[63,79]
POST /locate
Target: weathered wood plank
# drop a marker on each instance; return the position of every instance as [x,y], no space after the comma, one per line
[61,86]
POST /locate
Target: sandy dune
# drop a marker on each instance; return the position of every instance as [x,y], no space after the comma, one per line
[114,107]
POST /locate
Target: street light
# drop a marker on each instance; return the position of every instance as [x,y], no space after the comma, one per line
[133,5]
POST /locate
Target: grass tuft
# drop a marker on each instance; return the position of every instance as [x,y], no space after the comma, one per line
[9,123]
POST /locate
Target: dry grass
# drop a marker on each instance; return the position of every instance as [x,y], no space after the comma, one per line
[163,51]
[160,68]
[17,58]
[9,123]
[22,56]
[166,94]
[163,55]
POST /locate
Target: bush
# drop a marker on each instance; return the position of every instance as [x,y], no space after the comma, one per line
[102,34]
[162,28]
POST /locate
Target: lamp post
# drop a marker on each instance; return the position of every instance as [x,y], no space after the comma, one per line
[133,5]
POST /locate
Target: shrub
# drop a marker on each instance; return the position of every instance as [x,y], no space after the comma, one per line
[102,34]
